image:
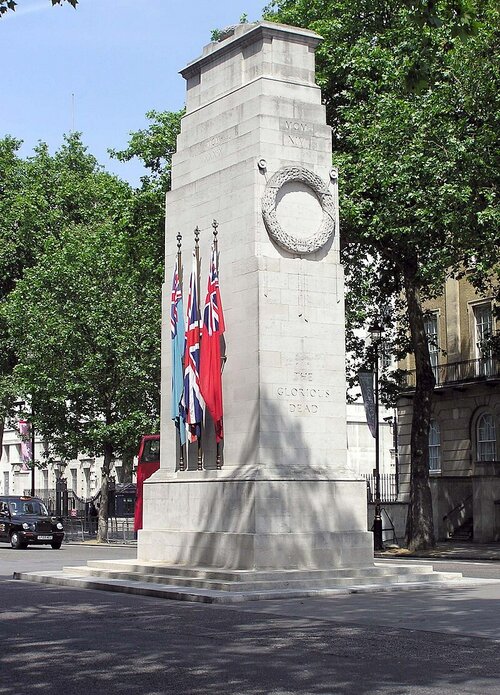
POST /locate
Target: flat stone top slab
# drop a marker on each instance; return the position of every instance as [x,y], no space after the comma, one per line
[246,34]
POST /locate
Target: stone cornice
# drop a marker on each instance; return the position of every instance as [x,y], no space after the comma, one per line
[245,35]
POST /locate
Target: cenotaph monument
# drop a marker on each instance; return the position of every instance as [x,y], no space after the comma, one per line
[254,153]
[282,516]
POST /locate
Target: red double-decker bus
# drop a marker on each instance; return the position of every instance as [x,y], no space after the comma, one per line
[148,462]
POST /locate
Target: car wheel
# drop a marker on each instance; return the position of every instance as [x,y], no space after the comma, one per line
[56,545]
[17,542]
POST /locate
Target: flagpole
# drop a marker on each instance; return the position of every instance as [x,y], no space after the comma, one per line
[215,225]
[197,255]
[182,460]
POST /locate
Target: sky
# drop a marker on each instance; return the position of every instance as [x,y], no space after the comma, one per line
[98,69]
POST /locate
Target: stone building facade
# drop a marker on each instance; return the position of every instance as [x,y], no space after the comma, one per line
[464,439]
[82,474]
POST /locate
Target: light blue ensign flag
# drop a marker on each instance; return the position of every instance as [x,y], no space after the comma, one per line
[178,335]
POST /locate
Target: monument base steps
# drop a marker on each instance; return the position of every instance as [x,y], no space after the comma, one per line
[222,586]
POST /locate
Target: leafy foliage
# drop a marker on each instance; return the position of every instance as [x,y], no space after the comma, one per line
[154,146]
[80,273]
[6,5]
[76,265]
[411,92]
[39,196]
[86,331]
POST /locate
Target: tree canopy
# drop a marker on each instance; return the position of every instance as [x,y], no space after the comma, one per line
[6,5]
[411,92]
[80,271]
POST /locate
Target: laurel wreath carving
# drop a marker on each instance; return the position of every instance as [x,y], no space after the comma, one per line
[326,228]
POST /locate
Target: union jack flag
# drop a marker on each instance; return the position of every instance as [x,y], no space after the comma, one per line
[193,402]
[213,328]
[177,333]
[175,299]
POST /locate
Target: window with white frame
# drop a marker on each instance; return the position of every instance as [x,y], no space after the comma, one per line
[486,441]
[483,328]
[434,447]
[45,480]
[483,319]
[431,331]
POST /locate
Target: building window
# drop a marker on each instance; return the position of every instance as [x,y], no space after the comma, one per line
[434,447]
[45,480]
[6,482]
[86,472]
[483,327]
[486,442]
[431,331]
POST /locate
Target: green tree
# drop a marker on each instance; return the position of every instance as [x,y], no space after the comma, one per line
[6,5]
[415,138]
[46,203]
[154,146]
[38,197]
[86,329]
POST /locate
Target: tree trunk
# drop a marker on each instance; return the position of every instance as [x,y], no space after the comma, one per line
[102,521]
[420,525]
[127,466]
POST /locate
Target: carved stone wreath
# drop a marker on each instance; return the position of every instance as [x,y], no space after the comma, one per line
[326,228]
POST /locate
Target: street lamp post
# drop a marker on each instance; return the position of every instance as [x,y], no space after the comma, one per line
[61,489]
[376,332]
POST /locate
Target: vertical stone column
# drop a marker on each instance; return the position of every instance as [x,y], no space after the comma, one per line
[255,154]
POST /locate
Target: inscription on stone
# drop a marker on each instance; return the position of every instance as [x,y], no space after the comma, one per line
[303,376]
[306,401]
[212,147]
[297,141]
[292,126]
[296,133]
[302,392]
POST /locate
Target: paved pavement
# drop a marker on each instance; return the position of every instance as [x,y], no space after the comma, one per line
[449,550]
[60,640]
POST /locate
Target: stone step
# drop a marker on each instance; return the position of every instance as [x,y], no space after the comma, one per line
[165,570]
[182,593]
[278,583]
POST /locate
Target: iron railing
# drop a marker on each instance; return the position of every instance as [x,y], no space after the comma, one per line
[459,372]
[63,501]
[78,530]
[388,487]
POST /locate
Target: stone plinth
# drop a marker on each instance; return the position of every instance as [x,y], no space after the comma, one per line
[255,136]
[256,524]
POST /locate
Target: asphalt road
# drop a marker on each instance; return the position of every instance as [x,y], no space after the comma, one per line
[487,569]
[68,641]
[40,558]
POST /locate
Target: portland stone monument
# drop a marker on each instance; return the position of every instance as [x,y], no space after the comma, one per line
[254,153]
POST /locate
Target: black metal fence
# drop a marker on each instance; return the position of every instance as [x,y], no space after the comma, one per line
[79,514]
[63,502]
[78,530]
[388,487]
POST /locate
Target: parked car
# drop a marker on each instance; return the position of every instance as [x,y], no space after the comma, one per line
[25,521]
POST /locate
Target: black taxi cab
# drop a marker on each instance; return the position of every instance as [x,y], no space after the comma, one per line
[25,521]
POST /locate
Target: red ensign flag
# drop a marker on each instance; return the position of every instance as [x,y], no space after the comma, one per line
[210,358]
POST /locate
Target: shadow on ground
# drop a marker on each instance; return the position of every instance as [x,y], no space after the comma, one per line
[64,640]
